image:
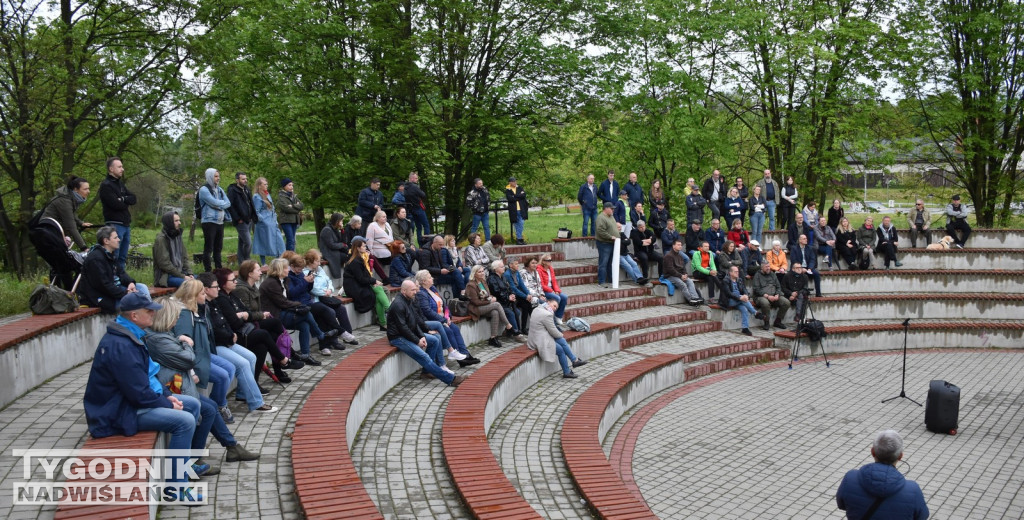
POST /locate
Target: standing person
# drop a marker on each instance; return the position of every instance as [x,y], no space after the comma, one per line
[635,191]
[587,197]
[744,195]
[607,232]
[835,214]
[243,214]
[408,332]
[888,242]
[518,208]
[369,202]
[920,221]
[771,191]
[788,203]
[548,341]
[479,200]
[117,202]
[267,239]
[956,220]
[695,203]
[290,207]
[878,489]
[214,204]
[332,244]
[714,192]
[609,190]
[734,207]
[123,396]
[170,259]
[757,204]
[415,201]
[104,282]
[659,218]
[734,294]
[656,194]
[63,208]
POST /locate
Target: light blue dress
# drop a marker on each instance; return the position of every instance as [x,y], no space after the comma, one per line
[266,239]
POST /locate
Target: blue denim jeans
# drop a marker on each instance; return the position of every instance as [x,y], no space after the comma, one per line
[562,300]
[289,236]
[181,424]
[454,279]
[306,325]
[629,265]
[244,241]
[125,233]
[486,219]
[419,218]
[221,374]
[565,355]
[212,422]
[756,226]
[604,261]
[429,359]
[175,281]
[770,210]
[518,226]
[245,364]
[746,311]
[589,216]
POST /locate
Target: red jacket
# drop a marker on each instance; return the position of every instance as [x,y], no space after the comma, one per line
[548,282]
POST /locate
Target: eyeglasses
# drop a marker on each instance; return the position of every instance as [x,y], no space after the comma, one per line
[919,204]
[231,280]
[545,260]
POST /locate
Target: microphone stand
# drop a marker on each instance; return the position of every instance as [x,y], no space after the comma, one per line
[903,385]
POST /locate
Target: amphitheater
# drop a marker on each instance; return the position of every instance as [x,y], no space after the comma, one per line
[677,415]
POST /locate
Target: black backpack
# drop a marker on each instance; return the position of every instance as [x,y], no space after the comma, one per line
[814,329]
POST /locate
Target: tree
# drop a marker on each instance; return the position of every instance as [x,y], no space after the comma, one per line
[962,62]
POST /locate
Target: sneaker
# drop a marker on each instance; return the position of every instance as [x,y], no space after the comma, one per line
[747,332]
[333,333]
[325,352]
[347,337]
[455,355]
[899,264]
[266,408]
[200,469]
[214,470]
[570,375]
[558,322]
[458,380]
[520,337]
[959,246]
[467,362]
[446,369]
[238,453]
[579,362]
[225,413]
[294,364]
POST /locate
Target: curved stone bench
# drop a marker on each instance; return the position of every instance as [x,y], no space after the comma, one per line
[597,410]
[985,238]
[888,335]
[923,281]
[478,478]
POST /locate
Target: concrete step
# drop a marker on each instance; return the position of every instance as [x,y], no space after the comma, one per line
[876,335]
[922,280]
[581,294]
[985,238]
[979,259]
[614,305]
[651,335]
[579,279]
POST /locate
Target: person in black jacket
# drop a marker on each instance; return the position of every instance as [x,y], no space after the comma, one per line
[104,281]
[408,332]
[117,201]
[243,214]
[369,202]
[714,193]
[257,332]
[414,200]
[479,200]
[518,208]
[643,246]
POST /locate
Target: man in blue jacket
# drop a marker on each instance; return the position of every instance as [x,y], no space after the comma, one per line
[587,197]
[609,190]
[369,202]
[879,490]
[805,255]
[636,193]
[123,395]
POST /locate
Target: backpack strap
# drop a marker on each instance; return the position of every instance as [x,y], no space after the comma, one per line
[874,507]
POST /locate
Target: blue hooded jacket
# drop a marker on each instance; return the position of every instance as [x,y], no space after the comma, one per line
[861,487]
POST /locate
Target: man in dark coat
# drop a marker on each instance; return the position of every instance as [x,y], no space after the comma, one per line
[609,189]
[587,197]
[370,201]
[479,201]
[333,245]
[104,281]
[243,213]
[408,332]
[518,207]
[431,259]
[714,192]
[117,201]
[415,200]
[879,487]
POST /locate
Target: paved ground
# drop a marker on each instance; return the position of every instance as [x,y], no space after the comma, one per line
[774,443]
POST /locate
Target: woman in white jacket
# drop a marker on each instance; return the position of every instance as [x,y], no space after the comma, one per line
[549,342]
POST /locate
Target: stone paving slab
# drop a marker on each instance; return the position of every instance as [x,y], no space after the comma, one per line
[717,451]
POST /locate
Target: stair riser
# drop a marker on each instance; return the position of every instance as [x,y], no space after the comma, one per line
[605,308]
[529,249]
[841,343]
[660,335]
[610,294]
[574,280]
[994,239]
[885,282]
[888,309]
[660,321]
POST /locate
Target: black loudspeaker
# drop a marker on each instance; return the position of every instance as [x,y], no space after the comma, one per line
[942,408]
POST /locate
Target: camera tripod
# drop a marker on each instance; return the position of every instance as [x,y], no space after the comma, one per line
[801,320]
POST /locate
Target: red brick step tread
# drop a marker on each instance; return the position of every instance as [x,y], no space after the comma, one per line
[144,440]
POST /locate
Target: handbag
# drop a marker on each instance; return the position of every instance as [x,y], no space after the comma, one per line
[330,301]
[458,307]
[284,344]
[50,299]
[247,329]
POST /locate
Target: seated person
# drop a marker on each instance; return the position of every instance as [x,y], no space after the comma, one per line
[495,248]
[104,282]
[474,253]
[247,292]
[646,252]
[123,395]
[866,237]
[549,284]
[401,263]
[752,258]
[438,318]
[170,259]
[501,290]
[246,326]
[441,267]
[825,240]
[292,314]
[703,265]
[670,235]
[332,244]
[366,292]
[956,220]
[549,342]
[797,228]
[804,255]
[794,287]
[323,292]
[888,242]
[694,236]
[777,259]
[525,300]
[177,360]
[407,332]
[846,243]
[715,236]
[768,294]
[734,296]
[728,257]
[920,221]
[482,304]
[738,235]
[675,277]
[451,255]
[299,286]
[628,264]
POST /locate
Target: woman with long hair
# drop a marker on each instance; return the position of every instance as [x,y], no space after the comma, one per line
[378,236]
[451,248]
[481,303]
[266,239]
[835,214]
[734,208]
[324,293]
[294,315]
[549,284]
[438,318]
[846,242]
[195,324]
[367,293]
[299,285]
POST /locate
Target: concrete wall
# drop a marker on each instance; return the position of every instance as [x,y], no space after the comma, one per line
[989,238]
[979,281]
[639,389]
[892,340]
[576,249]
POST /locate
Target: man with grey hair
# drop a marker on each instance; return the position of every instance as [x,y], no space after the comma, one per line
[879,490]
[920,220]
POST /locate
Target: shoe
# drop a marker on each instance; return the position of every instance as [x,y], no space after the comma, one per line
[266,408]
[308,359]
[766,326]
[520,242]
[495,342]
[603,285]
[522,338]
[347,337]
[427,375]
[758,315]
[778,325]
[383,328]
[446,369]
[458,380]
[294,364]
[959,246]
[642,282]
[333,333]
[238,453]
[325,352]
[558,322]
[200,469]
[456,355]
[225,413]
[747,332]
[570,375]
[579,362]
[264,391]
[281,375]
[899,264]
[214,470]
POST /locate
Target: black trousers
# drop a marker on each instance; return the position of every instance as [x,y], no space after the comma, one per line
[961,226]
[645,260]
[213,242]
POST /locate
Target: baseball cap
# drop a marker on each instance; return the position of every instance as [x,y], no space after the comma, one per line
[134,301]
